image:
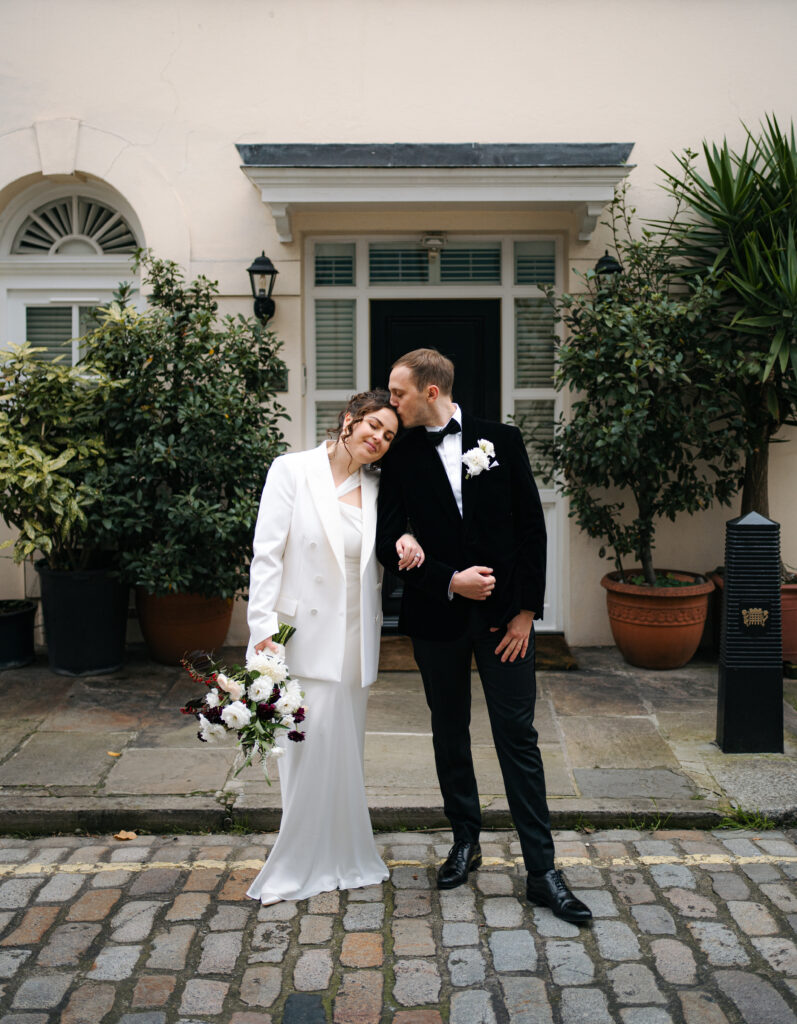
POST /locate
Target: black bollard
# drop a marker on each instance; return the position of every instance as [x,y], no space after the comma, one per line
[750,695]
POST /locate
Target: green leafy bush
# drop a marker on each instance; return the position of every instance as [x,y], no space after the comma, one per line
[54,459]
[649,426]
[195,427]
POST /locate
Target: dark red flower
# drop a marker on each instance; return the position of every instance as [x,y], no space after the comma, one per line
[298,715]
[265,712]
[296,736]
[201,737]
[212,714]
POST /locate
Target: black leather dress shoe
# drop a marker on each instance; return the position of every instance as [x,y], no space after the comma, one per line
[462,858]
[550,890]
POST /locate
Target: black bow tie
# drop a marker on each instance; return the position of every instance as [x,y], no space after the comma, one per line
[436,436]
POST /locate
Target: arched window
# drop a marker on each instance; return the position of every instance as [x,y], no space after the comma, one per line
[63,251]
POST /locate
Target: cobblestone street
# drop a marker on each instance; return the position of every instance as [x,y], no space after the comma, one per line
[695,927]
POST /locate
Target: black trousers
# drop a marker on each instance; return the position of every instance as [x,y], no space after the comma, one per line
[510,690]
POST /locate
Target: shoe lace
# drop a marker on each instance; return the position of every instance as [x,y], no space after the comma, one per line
[559,883]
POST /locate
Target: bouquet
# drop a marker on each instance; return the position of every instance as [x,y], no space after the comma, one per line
[257,703]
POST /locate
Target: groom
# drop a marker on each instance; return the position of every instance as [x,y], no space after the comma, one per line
[466,487]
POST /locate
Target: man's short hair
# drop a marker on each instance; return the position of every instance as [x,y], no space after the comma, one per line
[428,366]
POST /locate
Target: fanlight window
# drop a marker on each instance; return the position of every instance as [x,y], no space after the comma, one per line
[74,226]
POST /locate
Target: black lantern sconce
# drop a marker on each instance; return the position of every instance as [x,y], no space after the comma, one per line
[262,275]
[607,266]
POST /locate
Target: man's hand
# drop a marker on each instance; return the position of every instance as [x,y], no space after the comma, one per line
[475,583]
[268,643]
[516,640]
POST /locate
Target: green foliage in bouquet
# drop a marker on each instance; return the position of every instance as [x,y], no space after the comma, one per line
[195,426]
[54,459]
[649,425]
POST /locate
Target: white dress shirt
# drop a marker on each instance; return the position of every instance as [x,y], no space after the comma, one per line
[450,451]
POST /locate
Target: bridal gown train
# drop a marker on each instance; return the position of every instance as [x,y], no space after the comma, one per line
[325,839]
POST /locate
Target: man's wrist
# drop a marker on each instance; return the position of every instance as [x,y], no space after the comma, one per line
[450,586]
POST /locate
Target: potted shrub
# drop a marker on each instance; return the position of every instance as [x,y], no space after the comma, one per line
[53,476]
[739,219]
[16,632]
[196,428]
[648,435]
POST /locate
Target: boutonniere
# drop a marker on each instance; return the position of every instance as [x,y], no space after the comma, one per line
[479,459]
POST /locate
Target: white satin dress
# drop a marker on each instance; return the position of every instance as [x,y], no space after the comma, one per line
[325,839]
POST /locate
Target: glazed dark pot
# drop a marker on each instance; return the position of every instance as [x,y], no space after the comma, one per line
[16,633]
[85,620]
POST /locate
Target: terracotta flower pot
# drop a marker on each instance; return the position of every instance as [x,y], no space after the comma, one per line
[788,611]
[657,627]
[176,624]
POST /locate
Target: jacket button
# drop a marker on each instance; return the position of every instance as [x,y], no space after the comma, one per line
[319,579]
[312,544]
[314,611]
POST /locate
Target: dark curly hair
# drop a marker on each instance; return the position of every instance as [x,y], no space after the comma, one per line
[358,407]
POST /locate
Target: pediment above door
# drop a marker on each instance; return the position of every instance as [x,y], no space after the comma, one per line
[575,177]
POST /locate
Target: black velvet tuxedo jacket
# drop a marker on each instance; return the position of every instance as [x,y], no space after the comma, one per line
[502,526]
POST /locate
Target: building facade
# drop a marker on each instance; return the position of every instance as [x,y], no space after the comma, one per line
[416,171]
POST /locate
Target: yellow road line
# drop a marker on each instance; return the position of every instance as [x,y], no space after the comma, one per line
[98,867]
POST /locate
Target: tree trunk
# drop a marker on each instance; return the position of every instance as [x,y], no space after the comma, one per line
[647,565]
[755,492]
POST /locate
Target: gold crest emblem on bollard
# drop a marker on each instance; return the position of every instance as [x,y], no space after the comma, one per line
[755,616]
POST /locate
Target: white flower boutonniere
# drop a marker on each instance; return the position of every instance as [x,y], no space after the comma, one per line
[479,459]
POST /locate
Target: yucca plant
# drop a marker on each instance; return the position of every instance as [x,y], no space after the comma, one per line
[739,224]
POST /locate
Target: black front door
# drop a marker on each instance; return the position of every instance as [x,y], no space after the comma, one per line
[468,331]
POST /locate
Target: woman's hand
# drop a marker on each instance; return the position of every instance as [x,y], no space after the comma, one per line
[409,551]
[267,643]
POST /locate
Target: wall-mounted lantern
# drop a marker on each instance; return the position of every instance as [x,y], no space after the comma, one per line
[262,275]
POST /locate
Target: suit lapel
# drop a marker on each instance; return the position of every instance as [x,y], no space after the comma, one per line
[470,438]
[369,486]
[322,489]
[436,472]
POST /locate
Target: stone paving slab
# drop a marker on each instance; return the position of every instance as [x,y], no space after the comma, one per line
[689,927]
[619,745]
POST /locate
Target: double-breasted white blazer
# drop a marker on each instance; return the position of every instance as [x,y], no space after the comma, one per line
[297,573]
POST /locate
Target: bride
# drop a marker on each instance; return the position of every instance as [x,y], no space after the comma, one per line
[314,567]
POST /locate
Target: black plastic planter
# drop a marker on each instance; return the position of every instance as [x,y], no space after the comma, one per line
[85,620]
[16,633]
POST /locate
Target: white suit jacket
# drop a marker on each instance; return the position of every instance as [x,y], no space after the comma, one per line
[297,573]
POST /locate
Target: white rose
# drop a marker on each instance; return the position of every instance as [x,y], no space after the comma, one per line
[211,732]
[288,721]
[236,715]
[212,698]
[260,689]
[277,752]
[232,686]
[487,447]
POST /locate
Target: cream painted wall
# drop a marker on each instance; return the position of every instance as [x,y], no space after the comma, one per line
[172,85]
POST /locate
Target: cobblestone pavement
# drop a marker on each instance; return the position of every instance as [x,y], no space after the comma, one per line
[695,927]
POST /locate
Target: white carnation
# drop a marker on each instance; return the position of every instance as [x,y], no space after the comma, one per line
[289,702]
[476,461]
[211,732]
[487,447]
[277,752]
[288,721]
[212,698]
[236,715]
[269,665]
[260,689]
[232,686]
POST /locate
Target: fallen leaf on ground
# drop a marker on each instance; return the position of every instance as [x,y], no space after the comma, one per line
[125,835]
[112,753]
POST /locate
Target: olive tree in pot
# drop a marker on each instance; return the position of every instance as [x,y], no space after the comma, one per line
[648,435]
[53,483]
[196,426]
